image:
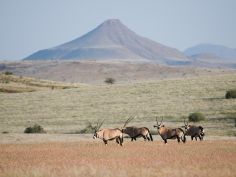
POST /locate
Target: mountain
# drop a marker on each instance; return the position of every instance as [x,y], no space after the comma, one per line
[210,52]
[206,57]
[112,40]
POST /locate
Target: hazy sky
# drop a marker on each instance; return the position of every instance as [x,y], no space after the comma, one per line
[31,25]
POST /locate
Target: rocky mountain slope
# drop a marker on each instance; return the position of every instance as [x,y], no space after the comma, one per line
[112,40]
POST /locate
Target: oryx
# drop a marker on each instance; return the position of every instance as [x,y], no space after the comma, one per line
[135,132]
[167,133]
[108,134]
[194,131]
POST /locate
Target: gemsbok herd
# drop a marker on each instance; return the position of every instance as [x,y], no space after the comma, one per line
[133,132]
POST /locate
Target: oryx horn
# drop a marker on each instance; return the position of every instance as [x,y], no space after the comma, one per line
[128,120]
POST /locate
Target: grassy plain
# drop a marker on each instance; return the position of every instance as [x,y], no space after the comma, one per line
[68,110]
[149,159]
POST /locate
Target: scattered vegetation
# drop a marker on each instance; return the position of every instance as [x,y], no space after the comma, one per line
[196,117]
[231,117]
[8,73]
[66,110]
[231,133]
[109,80]
[35,129]
[230,94]
[5,81]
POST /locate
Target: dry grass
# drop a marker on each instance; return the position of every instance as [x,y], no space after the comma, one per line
[68,110]
[19,84]
[86,158]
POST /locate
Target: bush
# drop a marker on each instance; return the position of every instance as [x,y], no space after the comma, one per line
[8,73]
[35,129]
[230,94]
[109,80]
[196,117]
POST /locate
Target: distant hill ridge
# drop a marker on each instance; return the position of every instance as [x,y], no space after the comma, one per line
[206,51]
[112,40]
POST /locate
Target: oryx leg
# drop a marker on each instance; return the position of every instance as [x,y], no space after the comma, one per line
[144,137]
[120,140]
[200,137]
[117,141]
[183,138]
[105,141]
[165,140]
[192,138]
[178,139]
[148,138]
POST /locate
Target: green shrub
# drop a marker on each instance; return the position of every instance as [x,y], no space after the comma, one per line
[35,129]
[5,81]
[196,117]
[109,80]
[8,73]
[230,94]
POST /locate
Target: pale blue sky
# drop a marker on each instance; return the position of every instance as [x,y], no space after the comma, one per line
[27,26]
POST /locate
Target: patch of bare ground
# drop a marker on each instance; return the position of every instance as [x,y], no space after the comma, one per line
[86,158]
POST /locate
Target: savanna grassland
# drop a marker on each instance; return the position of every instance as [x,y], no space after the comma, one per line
[63,109]
[69,110]
[86,158]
